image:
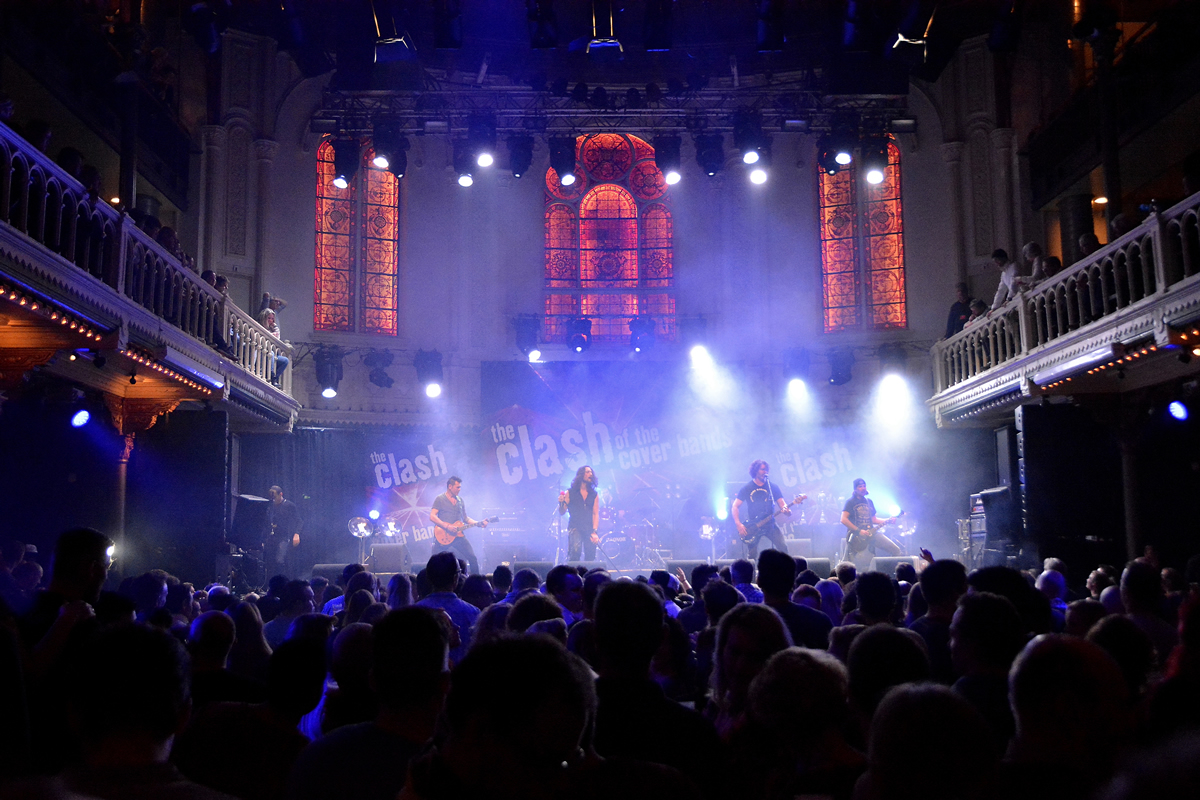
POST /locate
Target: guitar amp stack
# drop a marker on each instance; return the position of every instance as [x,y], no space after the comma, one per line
[990,532]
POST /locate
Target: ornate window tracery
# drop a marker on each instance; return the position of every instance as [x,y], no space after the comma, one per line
[609,254]
[356,283]
[862,249]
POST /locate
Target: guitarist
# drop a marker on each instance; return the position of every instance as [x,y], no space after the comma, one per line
[859,518]
[449,514]
[756,501]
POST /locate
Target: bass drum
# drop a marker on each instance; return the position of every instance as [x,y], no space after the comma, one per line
[617,547]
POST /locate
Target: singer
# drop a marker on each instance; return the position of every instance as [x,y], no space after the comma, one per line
[580,502]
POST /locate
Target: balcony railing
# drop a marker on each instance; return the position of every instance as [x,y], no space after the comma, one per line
[1133,271]
[46,204]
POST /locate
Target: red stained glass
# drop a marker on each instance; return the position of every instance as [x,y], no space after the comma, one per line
[562,246]
[356,250]
[557,191]
[608,238]
[862,250]
[884,248]
[333,284]
[604,250]
[646,181]
[606,156]
[379,259]
[657,258]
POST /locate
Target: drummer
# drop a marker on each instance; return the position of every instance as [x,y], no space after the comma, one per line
[581,502]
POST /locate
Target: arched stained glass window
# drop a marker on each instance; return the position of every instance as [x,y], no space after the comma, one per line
[862,249]
[356,283]
[609,251]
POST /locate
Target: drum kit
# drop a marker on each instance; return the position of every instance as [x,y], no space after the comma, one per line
[629,537]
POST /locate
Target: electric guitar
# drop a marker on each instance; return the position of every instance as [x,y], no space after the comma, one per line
[447,537]
[757,528]
[857,541]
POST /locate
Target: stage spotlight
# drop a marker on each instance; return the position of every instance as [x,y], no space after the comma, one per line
[464,163]
[80,418]
[527,327]
[827,156]
[633,98]
[562,158]
[841,366]
[1176,409]
[892,358]
[447,25]
[641,333]
[579,334]
[328,364]
[378,361]
[701,358]
[710,153]
[346,151]
[599,98]
[391,149]
[666,158]
[893,403]
[748,135]
[520,154]
[796,363]
[373,513]
[797,396]
[653,93]
[580,93]
[428,364]
[875,159]
[481,138]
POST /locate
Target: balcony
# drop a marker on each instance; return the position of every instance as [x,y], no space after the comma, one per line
[1120,319]
[81,283]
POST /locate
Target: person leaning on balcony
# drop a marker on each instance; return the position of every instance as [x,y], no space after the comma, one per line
[1088,243]
[960,310]
[1035,261]
[266,318]
[1010,279]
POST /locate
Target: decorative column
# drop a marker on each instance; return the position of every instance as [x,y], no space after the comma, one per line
[952,154]
[212,164]
[1002,148]
[1074,220]
[130,415]
[264,156]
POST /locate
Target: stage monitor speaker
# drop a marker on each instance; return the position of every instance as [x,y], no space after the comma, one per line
[542,568]
[822,566]
[887,564]
[390,557]
[331,572]
[799,547]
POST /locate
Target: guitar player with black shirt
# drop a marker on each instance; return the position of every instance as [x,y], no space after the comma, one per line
[449,515]
[860,520]
[756,501]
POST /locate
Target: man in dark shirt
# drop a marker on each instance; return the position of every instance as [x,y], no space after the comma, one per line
[858,515]
[449,514]
[634,719]
[756,501]
[409,670]
[776,573]
[960,311]
[283,533]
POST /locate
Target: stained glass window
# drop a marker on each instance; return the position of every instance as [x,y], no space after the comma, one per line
[609,250]
[356,284]
[862,249]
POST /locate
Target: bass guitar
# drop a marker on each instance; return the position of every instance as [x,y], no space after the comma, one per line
[758,528]
[857,541]
[447,537]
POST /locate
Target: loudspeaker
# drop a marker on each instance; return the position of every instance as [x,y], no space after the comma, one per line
[331,572]
[887,564]
[591,565]
[542,568]
[822,566]
[799,547]
[390,557]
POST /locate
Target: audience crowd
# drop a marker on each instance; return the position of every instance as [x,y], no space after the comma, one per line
[751,680]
